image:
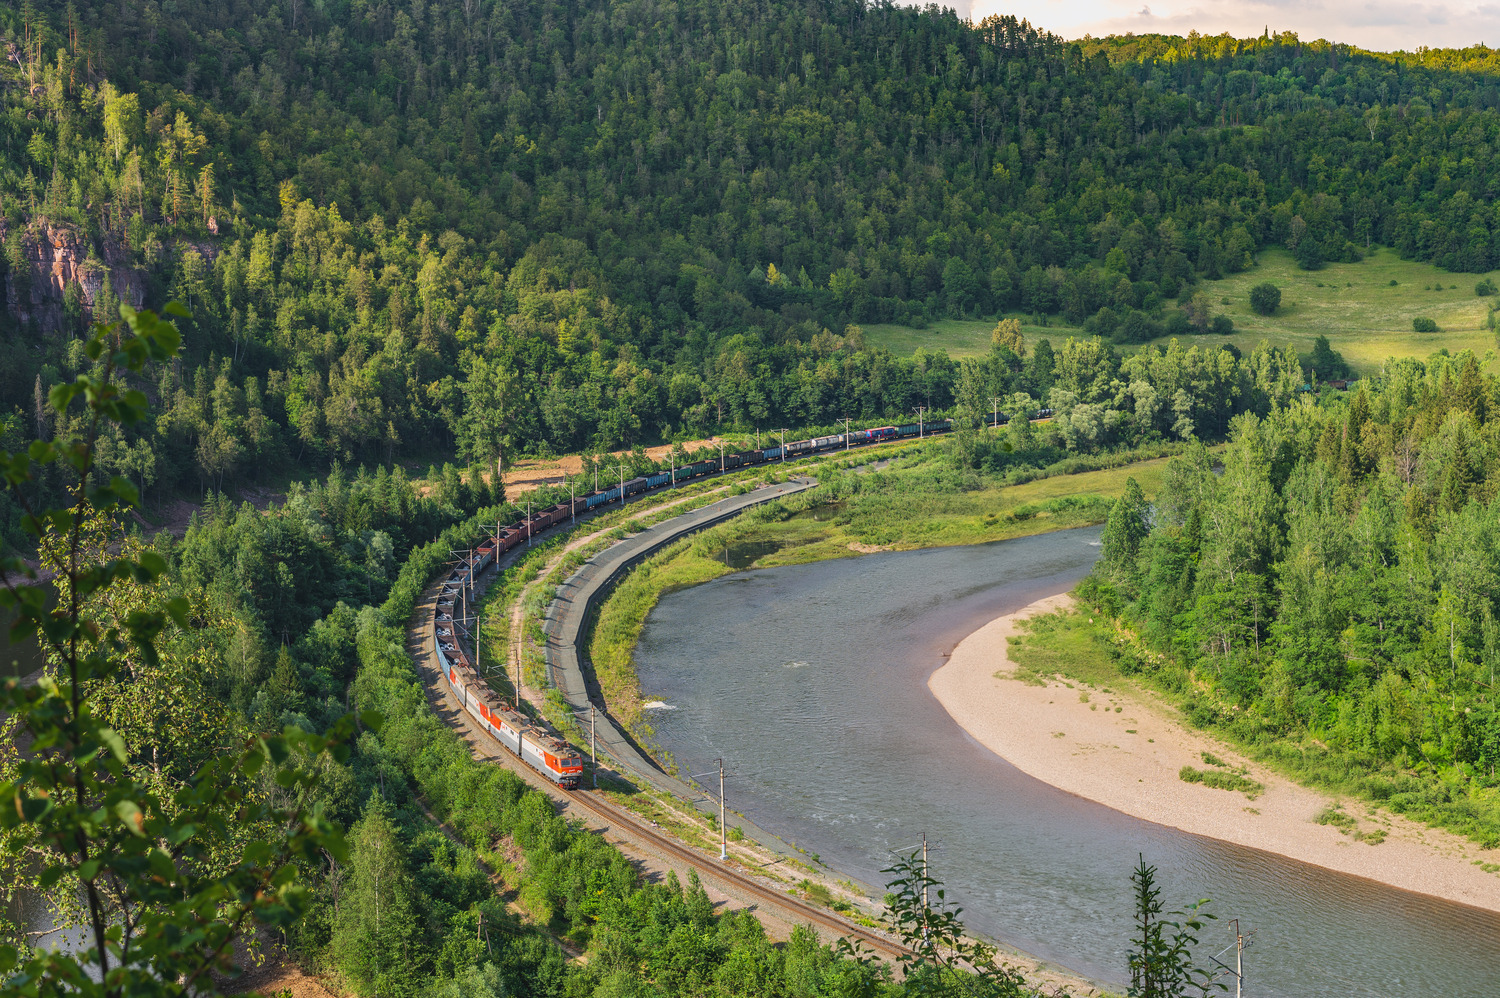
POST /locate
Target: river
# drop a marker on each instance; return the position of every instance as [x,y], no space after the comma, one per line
[811,684]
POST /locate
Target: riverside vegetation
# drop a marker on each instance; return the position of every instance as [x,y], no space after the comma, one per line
[1327,602]
[914,496]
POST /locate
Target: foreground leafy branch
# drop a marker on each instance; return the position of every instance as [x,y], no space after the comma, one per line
[165,876]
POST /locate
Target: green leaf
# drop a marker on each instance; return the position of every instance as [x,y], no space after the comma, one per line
[177,609]
[132,816]
[112,741]
[252,763]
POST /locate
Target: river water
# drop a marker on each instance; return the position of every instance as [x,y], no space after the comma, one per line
[810,681]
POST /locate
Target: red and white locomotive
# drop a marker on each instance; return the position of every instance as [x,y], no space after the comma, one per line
[532,744]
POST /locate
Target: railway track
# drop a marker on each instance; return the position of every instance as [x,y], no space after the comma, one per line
[746,886]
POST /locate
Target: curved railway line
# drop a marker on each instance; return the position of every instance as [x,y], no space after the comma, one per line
[771,903]
[732,882]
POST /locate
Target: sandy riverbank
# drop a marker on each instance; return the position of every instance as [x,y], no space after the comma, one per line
[1129,760]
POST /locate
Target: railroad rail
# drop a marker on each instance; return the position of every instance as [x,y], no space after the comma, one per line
[749,885]
[420,644]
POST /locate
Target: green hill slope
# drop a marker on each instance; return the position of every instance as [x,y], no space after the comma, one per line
[408,227]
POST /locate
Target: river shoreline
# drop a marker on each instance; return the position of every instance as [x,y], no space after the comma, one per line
[1124,751]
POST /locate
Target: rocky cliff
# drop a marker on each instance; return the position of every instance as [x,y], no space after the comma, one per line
[57,256]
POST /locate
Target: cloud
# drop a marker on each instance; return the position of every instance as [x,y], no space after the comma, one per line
[1383,25]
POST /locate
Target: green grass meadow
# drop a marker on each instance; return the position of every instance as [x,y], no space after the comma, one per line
[892,518]
[1364,316]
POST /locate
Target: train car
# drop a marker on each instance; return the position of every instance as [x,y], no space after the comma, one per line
[635,485]
[534,745]
[882,433]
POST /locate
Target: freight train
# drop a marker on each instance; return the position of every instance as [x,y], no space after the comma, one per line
[536,746]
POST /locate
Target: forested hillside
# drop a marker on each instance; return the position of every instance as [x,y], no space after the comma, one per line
[1330,597]
[406,226]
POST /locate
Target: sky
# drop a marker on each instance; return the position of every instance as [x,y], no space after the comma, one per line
[1382,25]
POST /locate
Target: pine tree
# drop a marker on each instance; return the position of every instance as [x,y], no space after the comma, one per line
[206,190]
[375,927]
[1127,527]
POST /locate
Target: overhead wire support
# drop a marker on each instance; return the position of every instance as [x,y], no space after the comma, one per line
[723,831]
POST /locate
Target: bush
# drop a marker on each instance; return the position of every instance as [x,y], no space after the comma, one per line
[1178,324]
[1309,254]
[1424,325]
[1220,780]
[1222,325]
[1485,288]
[1265,298]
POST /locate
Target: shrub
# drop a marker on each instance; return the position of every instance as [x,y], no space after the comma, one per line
[1222,325]
[1423,324]
[1485,288]
[1220,780]
[1265,298]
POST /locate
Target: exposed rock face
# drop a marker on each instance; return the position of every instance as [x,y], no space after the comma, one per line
[57,258]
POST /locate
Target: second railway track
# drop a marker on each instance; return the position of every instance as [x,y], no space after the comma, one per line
[625,823]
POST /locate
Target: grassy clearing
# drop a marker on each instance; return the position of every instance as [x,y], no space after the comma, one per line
[1094,651]
[909,507]
[1364,316]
